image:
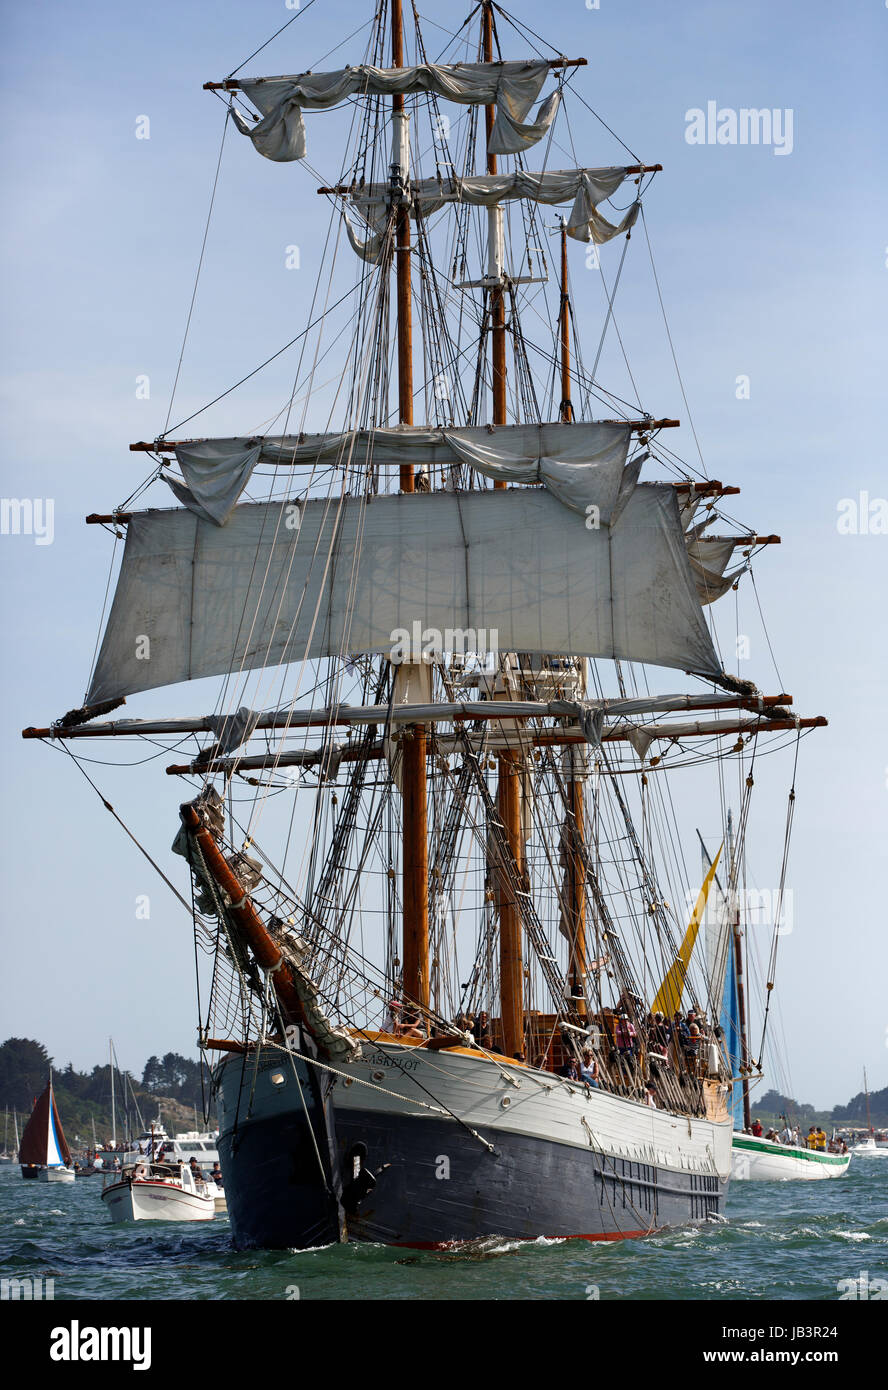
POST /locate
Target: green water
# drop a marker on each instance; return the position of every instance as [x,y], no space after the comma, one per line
[791,1240]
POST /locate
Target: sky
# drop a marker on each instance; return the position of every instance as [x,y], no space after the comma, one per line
[773,266]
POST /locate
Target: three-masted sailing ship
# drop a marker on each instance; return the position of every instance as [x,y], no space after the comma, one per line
[430,839]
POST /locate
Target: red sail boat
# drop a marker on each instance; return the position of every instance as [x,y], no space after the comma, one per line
[44,1152]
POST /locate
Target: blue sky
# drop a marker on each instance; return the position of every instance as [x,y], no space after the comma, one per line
[771,266]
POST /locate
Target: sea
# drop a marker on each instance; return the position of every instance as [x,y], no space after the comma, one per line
[822,1241]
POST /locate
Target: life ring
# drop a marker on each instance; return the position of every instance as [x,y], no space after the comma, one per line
[141,1171]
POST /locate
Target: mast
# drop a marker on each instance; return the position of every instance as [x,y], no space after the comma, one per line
[566,407]
[113,1107]
[576,806]
[495,250]
[576,880]
[414,855]
[738,970]
[508,798]
[869,1121]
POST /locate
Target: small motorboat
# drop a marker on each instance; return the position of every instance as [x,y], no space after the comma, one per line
[151,1191]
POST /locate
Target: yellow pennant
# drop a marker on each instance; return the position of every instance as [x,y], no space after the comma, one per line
[668,999]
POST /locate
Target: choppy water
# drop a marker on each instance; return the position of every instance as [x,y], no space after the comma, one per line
[792,1240]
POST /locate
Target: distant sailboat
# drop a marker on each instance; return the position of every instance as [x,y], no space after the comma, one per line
[44,1152]
[868,1148]
[754,1157]
[8,1156]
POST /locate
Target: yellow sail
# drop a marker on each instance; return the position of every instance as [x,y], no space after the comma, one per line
[668,998]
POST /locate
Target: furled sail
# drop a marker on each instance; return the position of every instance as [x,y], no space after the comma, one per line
[517,566]
[710,557]
[511,87]
[586,188]
[581,464]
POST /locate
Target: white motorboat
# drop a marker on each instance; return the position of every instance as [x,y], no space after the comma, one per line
[868,1148]
[159,1192]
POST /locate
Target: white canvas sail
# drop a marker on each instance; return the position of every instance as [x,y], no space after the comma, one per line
[195,599]
[581,464]
[584,188]
[511,87]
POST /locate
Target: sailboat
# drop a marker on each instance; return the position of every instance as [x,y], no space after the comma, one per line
[754,1157]
[44,1153]
[429,841]
[9,1155]
[868,1148]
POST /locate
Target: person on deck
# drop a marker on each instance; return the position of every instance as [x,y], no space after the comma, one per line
[570,1071]
[819,1140]
[393,1018]
[625,1036]
[650,1096]
[196,1170]
[786,1135]
[589,1068]
[757,1129]
[690,1047]
[658,1041]
[411,1025]
[811,1138]
[216,1174]
[481,1029]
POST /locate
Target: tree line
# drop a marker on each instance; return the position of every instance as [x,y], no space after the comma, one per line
[84,1097]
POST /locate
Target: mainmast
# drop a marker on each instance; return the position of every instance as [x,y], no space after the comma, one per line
[495,250]
[576,805]
[415,867]
[508,800]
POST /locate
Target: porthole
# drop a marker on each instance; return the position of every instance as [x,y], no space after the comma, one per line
[377,1076]
[506,1102]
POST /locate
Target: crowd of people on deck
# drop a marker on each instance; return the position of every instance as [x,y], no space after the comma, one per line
[791,1134]
[633,1052]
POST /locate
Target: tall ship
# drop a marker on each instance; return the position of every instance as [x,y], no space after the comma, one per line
[453,605]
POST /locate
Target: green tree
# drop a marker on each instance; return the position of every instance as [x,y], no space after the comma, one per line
[24,1072]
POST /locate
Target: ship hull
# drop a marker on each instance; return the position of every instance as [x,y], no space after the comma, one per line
[488,1150]
[761,1160]
[36,1171]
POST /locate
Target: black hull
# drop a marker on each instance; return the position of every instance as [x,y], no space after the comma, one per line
[436,1184]
[30,1170]
[283,1169]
